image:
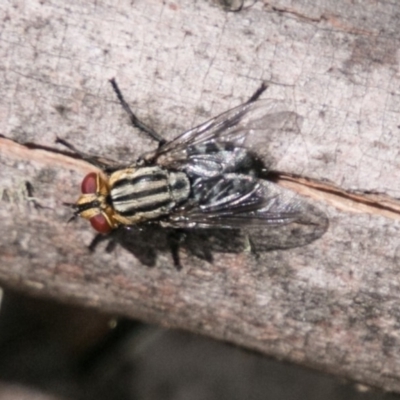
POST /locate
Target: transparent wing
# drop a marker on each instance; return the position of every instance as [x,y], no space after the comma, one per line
[249,126]
[239,201]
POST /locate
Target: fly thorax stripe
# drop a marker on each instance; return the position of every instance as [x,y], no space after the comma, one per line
[145,190]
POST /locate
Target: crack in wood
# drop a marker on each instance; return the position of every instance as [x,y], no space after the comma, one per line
[344,200]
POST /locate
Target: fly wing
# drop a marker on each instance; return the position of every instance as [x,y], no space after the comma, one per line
[240,201]
[271,217]
[250,126]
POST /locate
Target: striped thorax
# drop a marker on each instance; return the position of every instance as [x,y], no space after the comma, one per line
[130,196]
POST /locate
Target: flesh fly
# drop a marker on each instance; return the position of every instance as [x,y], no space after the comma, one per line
[209,177]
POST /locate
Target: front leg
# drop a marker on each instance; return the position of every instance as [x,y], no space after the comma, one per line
[106,165]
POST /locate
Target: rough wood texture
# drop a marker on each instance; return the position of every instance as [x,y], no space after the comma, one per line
[334,304]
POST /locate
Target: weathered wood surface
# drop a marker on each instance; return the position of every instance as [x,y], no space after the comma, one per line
[334,304]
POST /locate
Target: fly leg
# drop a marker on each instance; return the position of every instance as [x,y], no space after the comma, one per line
[135,121]
[257,93]
[175,239]
[107,165]
[99,238]
[84,156]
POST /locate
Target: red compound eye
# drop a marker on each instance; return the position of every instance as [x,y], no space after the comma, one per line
[100,223]
[89,183]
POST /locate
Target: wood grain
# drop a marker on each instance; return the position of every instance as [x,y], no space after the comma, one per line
[334,304]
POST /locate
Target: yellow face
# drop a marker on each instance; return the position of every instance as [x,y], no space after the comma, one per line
[92,204]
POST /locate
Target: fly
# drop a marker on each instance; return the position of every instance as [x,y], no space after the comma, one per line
[209,177]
